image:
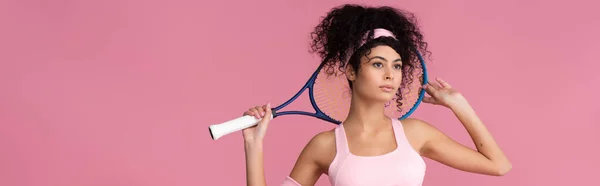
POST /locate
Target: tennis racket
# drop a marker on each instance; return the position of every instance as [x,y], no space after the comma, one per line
[330,96]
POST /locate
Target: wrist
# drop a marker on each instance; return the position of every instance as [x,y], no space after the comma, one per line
[253,145]
[461,108]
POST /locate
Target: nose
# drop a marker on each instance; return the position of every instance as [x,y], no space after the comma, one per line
[388,74]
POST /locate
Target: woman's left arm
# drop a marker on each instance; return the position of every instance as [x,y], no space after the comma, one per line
[488,159]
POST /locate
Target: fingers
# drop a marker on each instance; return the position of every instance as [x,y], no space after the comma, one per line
[434,85]
[264,110]
[264,122]
[249,112]
[254,112]
[443,83]
[258,111]
[429,89]
[267,114]
[429,100]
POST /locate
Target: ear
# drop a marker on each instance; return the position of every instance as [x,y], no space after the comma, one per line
[350,73]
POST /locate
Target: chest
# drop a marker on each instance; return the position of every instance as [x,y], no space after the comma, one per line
[374,145]
[398,168]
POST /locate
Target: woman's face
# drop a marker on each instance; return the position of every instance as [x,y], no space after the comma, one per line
[379,75]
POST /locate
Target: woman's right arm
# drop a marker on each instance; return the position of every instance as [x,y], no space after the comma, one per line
[311,162]
[253,142]
[314,159]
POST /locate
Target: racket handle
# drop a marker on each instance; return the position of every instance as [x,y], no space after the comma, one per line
[219,130]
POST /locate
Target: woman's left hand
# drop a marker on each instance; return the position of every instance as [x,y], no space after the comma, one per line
[441,93]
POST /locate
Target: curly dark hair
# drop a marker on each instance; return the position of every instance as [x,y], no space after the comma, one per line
[337,39]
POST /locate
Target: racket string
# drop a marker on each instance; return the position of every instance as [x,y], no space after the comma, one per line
[332,95]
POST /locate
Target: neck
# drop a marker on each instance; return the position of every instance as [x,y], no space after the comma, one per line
[365,115]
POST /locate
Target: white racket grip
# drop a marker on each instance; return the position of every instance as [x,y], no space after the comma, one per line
[219,130]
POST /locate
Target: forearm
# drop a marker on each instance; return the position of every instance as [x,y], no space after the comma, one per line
[255,174]
[482,138]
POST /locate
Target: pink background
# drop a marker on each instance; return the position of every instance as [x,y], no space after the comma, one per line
[121,92]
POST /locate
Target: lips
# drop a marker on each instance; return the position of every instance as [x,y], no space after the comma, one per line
[387,88]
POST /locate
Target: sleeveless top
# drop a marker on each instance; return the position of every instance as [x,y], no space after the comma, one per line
[401,167]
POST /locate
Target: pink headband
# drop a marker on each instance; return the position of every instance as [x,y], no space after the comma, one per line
[378,32]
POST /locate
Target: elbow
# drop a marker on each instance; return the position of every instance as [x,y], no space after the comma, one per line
[503,169]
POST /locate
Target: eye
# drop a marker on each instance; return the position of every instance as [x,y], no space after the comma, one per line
[377,65]
[398,66]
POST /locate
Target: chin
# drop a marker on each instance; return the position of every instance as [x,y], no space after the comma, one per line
[379,97]
[384,98]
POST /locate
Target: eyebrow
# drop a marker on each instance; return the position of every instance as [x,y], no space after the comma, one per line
[379,57]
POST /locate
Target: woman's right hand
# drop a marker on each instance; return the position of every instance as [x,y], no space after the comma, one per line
[255,134]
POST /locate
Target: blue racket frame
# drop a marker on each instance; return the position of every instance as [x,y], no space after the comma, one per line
[319,114]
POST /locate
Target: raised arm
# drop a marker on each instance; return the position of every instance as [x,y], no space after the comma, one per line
[311,162]
[487,159]
[253,145]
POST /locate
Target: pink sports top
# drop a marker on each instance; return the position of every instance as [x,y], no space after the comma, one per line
[401,167]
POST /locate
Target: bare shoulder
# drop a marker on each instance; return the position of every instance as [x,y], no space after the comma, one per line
[322,147]
[315,158]
[322,140]
[418,132]
[414,125]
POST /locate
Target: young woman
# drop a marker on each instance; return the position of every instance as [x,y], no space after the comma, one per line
[374,47]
